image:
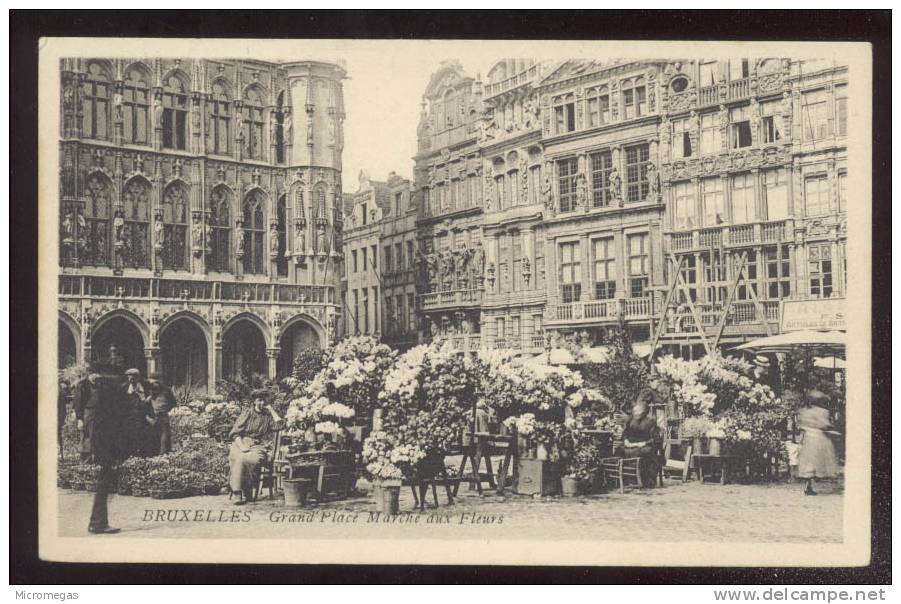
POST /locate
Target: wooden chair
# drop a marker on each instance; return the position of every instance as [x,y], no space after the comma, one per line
[677,458]
[268,475]
[617,470]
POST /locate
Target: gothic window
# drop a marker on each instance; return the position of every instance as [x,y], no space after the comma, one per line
[137,223]
[136,108]
[637,185]
[220,229]
[253,120]
[281,262]
[175,114]
[175,227]
[450,109]
[98,212]
[601,166]
[96,90]
[254,233]
[280,129]
[566,183]
[319,201]
[219,133]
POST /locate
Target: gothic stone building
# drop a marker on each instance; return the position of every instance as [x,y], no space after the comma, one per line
[200,213]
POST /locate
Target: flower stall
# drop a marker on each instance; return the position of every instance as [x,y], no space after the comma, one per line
[725,411]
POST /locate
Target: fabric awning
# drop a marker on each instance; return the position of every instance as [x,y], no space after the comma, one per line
[832,342]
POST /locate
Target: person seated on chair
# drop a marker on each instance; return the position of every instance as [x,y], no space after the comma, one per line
[251,438]
[641,438]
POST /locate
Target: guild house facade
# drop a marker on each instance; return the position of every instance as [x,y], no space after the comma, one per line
[555,198]
[200,218]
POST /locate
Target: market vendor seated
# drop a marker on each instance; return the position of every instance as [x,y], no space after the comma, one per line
[641,438]
[252,444]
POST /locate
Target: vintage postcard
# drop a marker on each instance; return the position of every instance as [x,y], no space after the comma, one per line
[455,302]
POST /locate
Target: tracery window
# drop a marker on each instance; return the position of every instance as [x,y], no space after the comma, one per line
[136,108]
[98,211]
[175,227]
[280,129]
[175,114]
[220,229]
[96,93]
[281,262]
[253,120]
[254,233]
[137,223]
[219,132]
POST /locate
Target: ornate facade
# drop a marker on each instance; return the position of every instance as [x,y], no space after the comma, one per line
[398,241]
[753,166]
[200,213]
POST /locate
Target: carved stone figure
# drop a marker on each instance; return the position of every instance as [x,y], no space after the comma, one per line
[197,234]
[616,184]
[69,228]
[119,229]
[581,191]
[526,269]
[530,113]
[68,97]
[310,129]
[653,181]
[300,239]
[321,240]
[489,274]
[239,247]
[331,130]
[157,112]
[547,194]
[447,264]
[117,106]
[273,241]
[478,260]
[431,267]
[159,233]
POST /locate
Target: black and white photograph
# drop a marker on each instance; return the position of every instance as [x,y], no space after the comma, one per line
[502,302]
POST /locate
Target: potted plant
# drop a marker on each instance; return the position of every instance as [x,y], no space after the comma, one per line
[378,451]
[695,428]
[715,433]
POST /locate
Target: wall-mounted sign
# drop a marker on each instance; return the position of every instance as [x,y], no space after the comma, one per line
[816,315]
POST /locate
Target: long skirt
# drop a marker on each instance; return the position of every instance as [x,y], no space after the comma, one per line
[817,456]
[243,466]
[649,465]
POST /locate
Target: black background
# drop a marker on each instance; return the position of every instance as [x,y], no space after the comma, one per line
[27,26]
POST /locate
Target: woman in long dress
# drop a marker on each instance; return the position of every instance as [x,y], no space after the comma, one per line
[816,458]
[251,444]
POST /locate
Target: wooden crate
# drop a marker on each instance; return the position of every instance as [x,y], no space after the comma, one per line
[537,477]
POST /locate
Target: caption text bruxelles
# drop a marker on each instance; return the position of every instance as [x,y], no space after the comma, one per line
[320,517]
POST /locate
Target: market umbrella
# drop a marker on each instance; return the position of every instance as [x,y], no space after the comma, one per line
[829,362]
[832,342]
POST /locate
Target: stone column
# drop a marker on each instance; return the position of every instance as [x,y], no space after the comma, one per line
[584,259]
[151,356]
[272,361]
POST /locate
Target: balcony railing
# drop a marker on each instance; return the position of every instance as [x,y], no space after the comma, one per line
[742,313]
[182,289]
[728,236]
[519,79]
[451,298]
[739,89]
[708,95]
[734,90]
[436,209]
[606,310]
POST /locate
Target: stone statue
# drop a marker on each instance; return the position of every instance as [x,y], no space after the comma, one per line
[786,103]
[310,129]
[321,240]
[526,269]
[547,194]
[82,228]
[197,234]
[431,267]
[530,113]
[478,260]
[157,112]
[68,97]
[239,248]
[159,233]
[119,229]
[653,181]
[616,184]
[69,228]
[117,106]
[273,241]
[209,238]
[447,264]
[300,239]
[581,191]
[288,126]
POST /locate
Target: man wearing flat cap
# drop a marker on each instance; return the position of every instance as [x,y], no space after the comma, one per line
[161,401]
[139,416]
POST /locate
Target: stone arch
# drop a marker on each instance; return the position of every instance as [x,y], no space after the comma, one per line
[69,349]
[185,342]
[300,332]
[259,88]
[104,64]
[179,73]
[245,340]
[127,332]
[227,88]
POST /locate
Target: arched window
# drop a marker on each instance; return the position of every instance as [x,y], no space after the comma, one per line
[220,229]
[254,233]
[175,114]
[282,215]
[98,194]
[280,128]
[137,223]
[219,131]
[450,109]
[136,108]
[253,120]
[96,90]
[175,226]
[319,201]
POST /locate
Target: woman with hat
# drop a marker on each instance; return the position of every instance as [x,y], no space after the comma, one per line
[251,438]
[641,437]
[139,417]
[816,459]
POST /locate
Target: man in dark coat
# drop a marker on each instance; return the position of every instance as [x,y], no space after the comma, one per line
[161,402]
[642,438]
[109,444]
[86,403]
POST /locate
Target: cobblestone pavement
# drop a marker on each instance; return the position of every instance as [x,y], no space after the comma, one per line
[770,513]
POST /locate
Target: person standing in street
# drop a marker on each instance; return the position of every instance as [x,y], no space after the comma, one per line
[161,402]
[86,403]
[109,442]
[63,394]
[816,459]
[139,423]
